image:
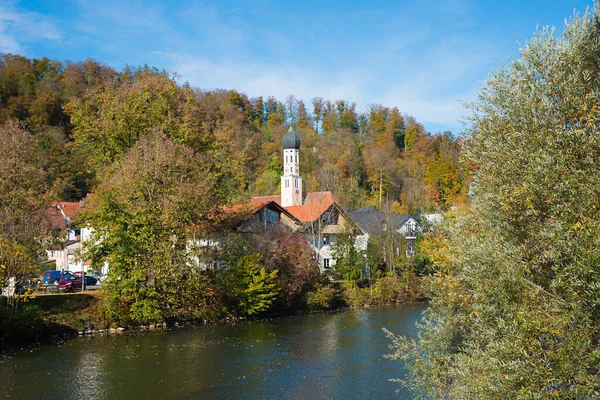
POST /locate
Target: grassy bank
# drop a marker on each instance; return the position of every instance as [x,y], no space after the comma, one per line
[45,318]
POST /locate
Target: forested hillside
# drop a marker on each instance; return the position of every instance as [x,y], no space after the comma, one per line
[84,115]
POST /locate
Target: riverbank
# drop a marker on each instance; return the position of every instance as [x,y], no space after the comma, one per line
[42,319]
[46,318]
[337,355]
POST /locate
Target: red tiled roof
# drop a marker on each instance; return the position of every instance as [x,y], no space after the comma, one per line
[267,199]
[57,221]
[55,216]
[236,213]
[314,206]
[251,207]
[70,208]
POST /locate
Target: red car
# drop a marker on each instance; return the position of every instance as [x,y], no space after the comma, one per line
[69,283]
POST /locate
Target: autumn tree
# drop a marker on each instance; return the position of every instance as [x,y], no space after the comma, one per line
[24,198]
[318,111]
[151,202]
[85,114]
[291,255]
[515,306]
[109,120]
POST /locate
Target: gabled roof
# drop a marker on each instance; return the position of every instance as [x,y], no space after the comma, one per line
[315,204]
[70,208]
[263,199]
[56,218]
[376,222]
[62,214]
[238,213]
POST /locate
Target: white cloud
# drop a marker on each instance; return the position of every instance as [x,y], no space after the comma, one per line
[26,26]
[7,43]
[258,79]
[415,94]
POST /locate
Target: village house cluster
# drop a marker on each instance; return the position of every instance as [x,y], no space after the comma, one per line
[314,214]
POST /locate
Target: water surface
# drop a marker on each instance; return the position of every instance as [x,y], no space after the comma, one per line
[337,356]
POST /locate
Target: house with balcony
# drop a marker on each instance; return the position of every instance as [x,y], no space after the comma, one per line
[375,222]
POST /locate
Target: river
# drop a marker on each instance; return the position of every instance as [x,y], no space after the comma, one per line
[337,356]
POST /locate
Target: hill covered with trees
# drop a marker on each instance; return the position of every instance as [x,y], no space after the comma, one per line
[85,115]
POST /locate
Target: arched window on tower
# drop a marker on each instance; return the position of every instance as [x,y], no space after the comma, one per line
[296,183]
[296,158]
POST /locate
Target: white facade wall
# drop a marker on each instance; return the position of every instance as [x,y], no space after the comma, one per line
[67,258]
[291,181]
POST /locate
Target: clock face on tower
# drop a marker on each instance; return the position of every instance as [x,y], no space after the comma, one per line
[297,191]
[296,171]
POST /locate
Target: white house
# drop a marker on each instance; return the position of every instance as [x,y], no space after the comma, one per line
[375,222]
[66,255]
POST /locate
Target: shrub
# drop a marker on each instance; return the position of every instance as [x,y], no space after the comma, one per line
[322,297]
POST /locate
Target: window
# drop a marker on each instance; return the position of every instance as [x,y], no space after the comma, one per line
[410,248]
[272,217]
[325,240]
[326,262]
[286,158]
[296,183]
[296,158]
[287,183]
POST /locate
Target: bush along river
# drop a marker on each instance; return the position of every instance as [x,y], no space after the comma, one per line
[337,356]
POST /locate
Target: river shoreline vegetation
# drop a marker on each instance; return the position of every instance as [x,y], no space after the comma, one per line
[156,162]
[515,302]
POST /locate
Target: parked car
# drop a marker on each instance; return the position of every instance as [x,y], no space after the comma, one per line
[27,285]
[53,276]
[98,275]
[91,281]
[69,283]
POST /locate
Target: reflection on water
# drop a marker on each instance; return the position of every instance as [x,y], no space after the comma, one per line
[316,356]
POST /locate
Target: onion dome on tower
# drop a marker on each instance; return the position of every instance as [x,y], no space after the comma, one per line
[291,140]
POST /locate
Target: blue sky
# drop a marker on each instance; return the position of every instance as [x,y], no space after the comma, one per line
[422,56]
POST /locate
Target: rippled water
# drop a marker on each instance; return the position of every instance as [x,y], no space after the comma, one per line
[338,356]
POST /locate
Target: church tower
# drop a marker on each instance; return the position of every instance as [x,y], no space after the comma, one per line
[291,181]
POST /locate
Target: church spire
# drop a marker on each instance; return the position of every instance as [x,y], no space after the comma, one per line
[291,181]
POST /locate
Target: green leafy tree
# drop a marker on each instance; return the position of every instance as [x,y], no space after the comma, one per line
[252,289]
[348,260]
[515,311]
